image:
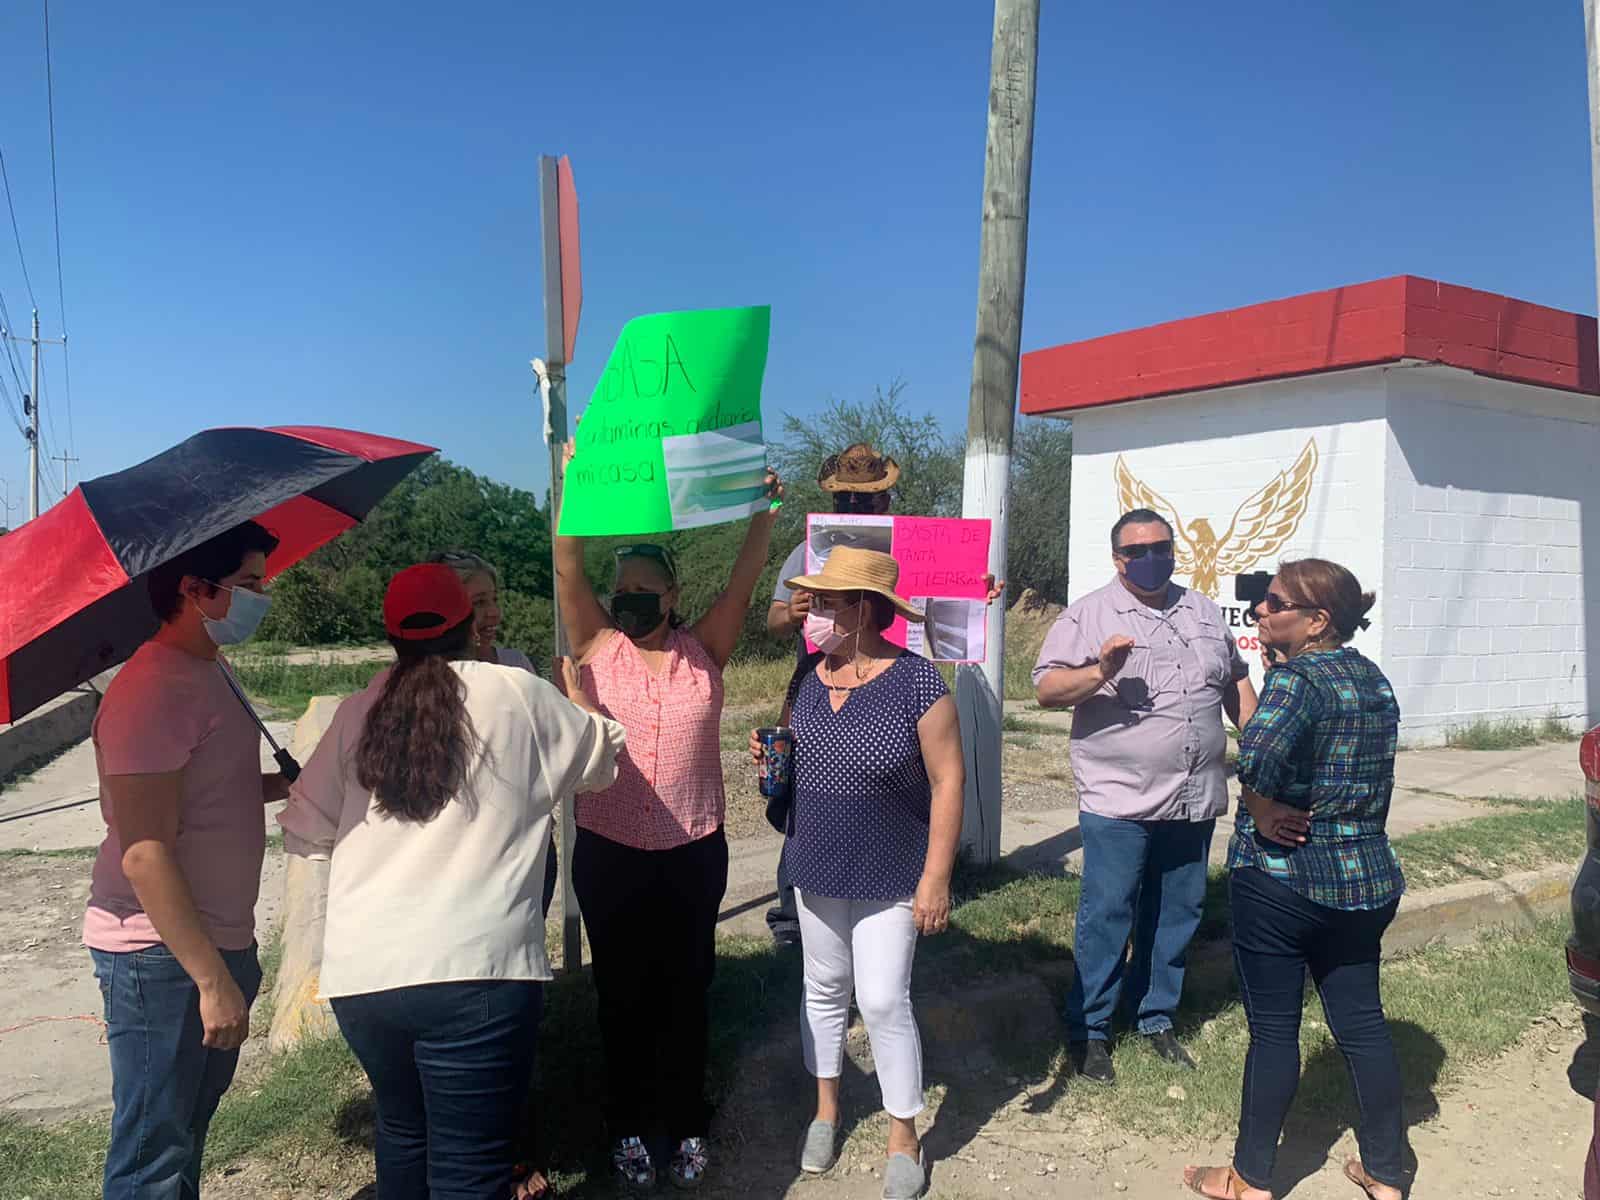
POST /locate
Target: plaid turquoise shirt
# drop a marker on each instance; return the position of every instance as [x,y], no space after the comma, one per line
[1323,738]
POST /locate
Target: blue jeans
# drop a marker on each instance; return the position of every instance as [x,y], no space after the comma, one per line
[165,1083]
[450,1064]
[1144,880]
[1277,935]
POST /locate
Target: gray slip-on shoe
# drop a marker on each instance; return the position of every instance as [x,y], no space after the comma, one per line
[819,1149]
[905,1178]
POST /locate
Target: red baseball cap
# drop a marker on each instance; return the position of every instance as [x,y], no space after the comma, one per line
[425,601]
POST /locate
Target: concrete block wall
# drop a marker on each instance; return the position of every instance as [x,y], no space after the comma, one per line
[1209,452]
[1486,485]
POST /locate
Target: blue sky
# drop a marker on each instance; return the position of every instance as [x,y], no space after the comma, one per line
[328,212]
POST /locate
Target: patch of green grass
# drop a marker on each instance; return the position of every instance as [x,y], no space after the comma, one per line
[31,766]
[1448,1009]
[61,1162]
[1492,846]
[1016,724]
[735,731]
[1511,734]
[271,959]
[287,688]
[82,852]
[753,681]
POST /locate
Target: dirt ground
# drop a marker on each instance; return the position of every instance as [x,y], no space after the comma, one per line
[50,1005]
[1516,1127]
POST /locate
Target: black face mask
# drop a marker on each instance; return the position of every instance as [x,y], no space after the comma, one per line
[637,614]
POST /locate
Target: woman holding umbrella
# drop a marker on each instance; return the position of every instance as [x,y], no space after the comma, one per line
[171,917]
[157,565]
[650,864]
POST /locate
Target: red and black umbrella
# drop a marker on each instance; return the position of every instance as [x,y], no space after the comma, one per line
[72,594]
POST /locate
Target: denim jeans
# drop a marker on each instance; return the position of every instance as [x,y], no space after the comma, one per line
[1277,935]
[165,1083]
[450,1064]
[1144,880]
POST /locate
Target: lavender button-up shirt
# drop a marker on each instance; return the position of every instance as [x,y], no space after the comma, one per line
[1149,745]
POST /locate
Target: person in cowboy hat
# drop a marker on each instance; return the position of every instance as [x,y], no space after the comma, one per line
[861,482]
[873,828]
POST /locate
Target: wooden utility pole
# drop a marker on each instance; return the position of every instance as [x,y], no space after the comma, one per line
[996,361]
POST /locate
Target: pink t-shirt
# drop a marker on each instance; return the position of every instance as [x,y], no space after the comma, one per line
[169,711]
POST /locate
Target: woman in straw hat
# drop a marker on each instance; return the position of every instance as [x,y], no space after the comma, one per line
[872,840]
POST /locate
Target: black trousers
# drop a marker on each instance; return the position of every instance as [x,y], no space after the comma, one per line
[652,922]
[1277,935]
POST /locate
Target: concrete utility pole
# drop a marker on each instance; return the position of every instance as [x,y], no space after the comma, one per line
[33,428]
[64,459]
[996,362]
[1591,41]
[30,409]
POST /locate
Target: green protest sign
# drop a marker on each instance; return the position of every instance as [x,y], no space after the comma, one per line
[672,435]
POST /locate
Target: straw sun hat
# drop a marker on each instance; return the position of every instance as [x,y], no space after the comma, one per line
[850,569]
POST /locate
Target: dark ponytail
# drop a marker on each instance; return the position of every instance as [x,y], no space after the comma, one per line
[418,742]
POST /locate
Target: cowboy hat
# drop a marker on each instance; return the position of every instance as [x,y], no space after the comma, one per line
[849,569]
[858,468]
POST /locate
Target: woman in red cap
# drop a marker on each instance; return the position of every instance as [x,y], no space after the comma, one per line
[650,863]
[432,792]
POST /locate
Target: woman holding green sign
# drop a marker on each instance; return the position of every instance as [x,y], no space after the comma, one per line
[650,864]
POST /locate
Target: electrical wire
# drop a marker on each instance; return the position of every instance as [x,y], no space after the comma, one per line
[16,231]
[55,204]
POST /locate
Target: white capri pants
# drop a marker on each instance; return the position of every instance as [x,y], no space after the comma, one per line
[867,945]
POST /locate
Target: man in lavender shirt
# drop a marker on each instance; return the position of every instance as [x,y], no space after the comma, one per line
[1148,669]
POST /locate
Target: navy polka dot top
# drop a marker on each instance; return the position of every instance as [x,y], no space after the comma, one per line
[859,825]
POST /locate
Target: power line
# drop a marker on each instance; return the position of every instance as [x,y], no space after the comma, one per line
[16,231]
[55,204]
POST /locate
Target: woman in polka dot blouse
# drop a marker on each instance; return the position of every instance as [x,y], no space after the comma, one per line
[872,837]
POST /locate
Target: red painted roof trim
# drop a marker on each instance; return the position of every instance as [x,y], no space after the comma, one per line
[1385,321]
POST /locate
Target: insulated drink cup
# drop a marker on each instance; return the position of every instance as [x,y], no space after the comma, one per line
[777,763]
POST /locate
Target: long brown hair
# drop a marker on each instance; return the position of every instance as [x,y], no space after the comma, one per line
[1333,589]
[419,741]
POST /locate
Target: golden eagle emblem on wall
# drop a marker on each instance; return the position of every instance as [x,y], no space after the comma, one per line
[1259,529]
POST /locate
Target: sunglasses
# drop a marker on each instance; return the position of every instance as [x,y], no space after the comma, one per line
[1275,603]
[651,551]
[855,502]
[1159,549]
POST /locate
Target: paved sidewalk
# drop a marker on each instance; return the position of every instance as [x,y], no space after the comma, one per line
[1433,787]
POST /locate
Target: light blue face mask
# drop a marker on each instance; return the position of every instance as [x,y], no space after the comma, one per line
[246,611]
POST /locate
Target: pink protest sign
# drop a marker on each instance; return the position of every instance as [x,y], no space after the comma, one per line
[943,565]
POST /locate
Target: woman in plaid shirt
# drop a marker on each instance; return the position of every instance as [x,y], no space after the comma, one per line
[1314,882]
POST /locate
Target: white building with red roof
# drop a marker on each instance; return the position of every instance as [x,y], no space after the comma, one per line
[1443,443]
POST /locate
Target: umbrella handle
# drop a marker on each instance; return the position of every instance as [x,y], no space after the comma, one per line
[287,765]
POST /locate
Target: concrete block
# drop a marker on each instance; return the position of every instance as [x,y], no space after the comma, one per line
[48,730]
[299,1011]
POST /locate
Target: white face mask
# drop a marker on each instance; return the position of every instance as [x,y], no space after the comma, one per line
[246,611]
[821,633]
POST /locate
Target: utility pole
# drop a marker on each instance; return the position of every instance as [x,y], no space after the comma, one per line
[5,499]
[1591,41]
[553,175]
[64,459]
[30,409]
[996,362]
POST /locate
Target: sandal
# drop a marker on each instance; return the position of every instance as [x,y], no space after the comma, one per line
[1356,1173]
[1233,1182]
